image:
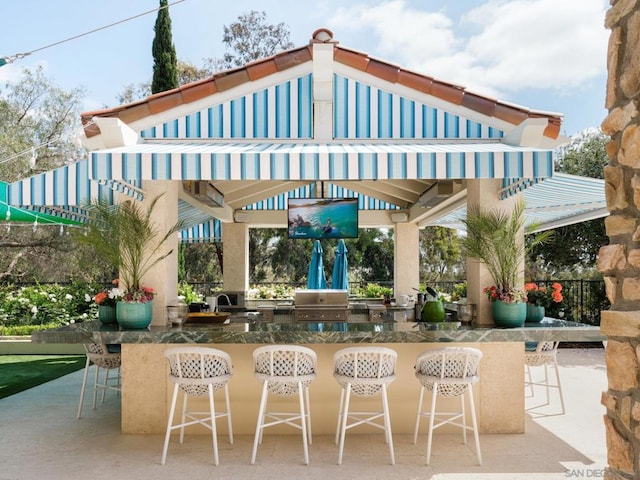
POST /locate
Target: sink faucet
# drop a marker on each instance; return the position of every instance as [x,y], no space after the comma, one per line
[215,304]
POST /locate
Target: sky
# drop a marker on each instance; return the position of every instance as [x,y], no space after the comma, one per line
[547,55]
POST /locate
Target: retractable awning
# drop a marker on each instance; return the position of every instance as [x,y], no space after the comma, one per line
[182,160]
[552,203]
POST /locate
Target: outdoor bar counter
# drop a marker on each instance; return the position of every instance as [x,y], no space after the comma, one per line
[146,392]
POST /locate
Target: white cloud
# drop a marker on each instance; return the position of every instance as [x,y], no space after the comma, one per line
[500,46]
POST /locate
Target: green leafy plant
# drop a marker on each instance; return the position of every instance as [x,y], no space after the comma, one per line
[373,290]
[125,235]
[493,237]
[189,293]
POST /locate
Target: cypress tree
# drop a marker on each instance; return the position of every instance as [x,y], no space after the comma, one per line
[165,62]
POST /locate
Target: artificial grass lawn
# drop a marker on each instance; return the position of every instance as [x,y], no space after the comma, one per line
[21,372]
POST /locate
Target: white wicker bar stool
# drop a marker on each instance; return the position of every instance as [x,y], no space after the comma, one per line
[99,355]
[448,372]
[545,354]
[198,372]
[364,372]
[284,371]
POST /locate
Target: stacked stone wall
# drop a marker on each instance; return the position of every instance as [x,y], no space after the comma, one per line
[619,261]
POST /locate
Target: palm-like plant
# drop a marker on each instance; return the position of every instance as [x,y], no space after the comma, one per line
[125,235]
[493,238]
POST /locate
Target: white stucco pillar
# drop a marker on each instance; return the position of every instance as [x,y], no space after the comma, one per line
[235,263]
[163,277]
[406,265]
[484,193]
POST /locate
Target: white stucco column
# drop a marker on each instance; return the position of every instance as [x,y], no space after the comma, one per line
[484,193]
[406,265]
[163,277]
[235,246]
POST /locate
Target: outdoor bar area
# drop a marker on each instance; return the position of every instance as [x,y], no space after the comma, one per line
[146,394]
[318,122]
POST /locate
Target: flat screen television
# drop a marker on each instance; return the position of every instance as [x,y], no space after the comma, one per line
[323,218]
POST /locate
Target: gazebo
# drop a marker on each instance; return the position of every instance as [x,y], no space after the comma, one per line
[320,120]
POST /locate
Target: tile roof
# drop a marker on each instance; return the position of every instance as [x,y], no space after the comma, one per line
[228,79]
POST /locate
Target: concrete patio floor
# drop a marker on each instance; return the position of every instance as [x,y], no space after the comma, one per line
[40,438]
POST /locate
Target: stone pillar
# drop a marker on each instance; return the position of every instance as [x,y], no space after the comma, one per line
[484,193]
[619,261]
[406,265]
[163,277]
[235,263]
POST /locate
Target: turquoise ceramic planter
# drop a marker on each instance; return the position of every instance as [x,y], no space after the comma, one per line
[535,313]
[107,314]
[509,315]
[134,315]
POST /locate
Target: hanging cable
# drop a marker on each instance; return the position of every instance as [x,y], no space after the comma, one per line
[11,58]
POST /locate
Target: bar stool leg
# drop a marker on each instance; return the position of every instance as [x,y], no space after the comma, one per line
[183,417]
[84,385]
[258,437]
[464,419]
[431,419]
[228,407]
[418,415]
[340,414]
[303,423]
[387,423]
[343,428]
[555,365]
[475,424]
[167,435]
[308,414]
[214,430]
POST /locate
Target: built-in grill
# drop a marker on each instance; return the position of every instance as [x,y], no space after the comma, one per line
[321,305]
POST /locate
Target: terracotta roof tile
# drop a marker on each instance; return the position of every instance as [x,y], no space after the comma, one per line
[413,80]
[165,101]
[135,112]
[352,59]
[454,94]
[383,70]
[447,92]
[510,114]
[198,90]
[293,58]
[232,79]
[484,105]
[257,70]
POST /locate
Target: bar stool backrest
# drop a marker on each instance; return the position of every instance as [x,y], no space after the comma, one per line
[284,366]
[365,368]
[453,368]
[194,368]
[100,355]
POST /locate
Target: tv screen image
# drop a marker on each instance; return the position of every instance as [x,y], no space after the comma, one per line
[323,217]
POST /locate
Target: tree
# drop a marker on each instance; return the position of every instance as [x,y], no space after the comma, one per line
[440,255]
[39,130]
[39,125]
[252,38]
[574,248]
[165,73]
[187,73]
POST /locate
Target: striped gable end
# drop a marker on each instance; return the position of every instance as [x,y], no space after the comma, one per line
[281,111]
[364,111]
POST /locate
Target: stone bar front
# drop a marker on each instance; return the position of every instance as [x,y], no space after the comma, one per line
[146,391]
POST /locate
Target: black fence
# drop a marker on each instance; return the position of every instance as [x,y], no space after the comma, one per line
[583,300]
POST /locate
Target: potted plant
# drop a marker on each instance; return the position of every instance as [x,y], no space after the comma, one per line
[106,300]
[493,237]
[125,235]
[539,298]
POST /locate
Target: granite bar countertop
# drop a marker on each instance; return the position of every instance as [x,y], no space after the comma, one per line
[242,330]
